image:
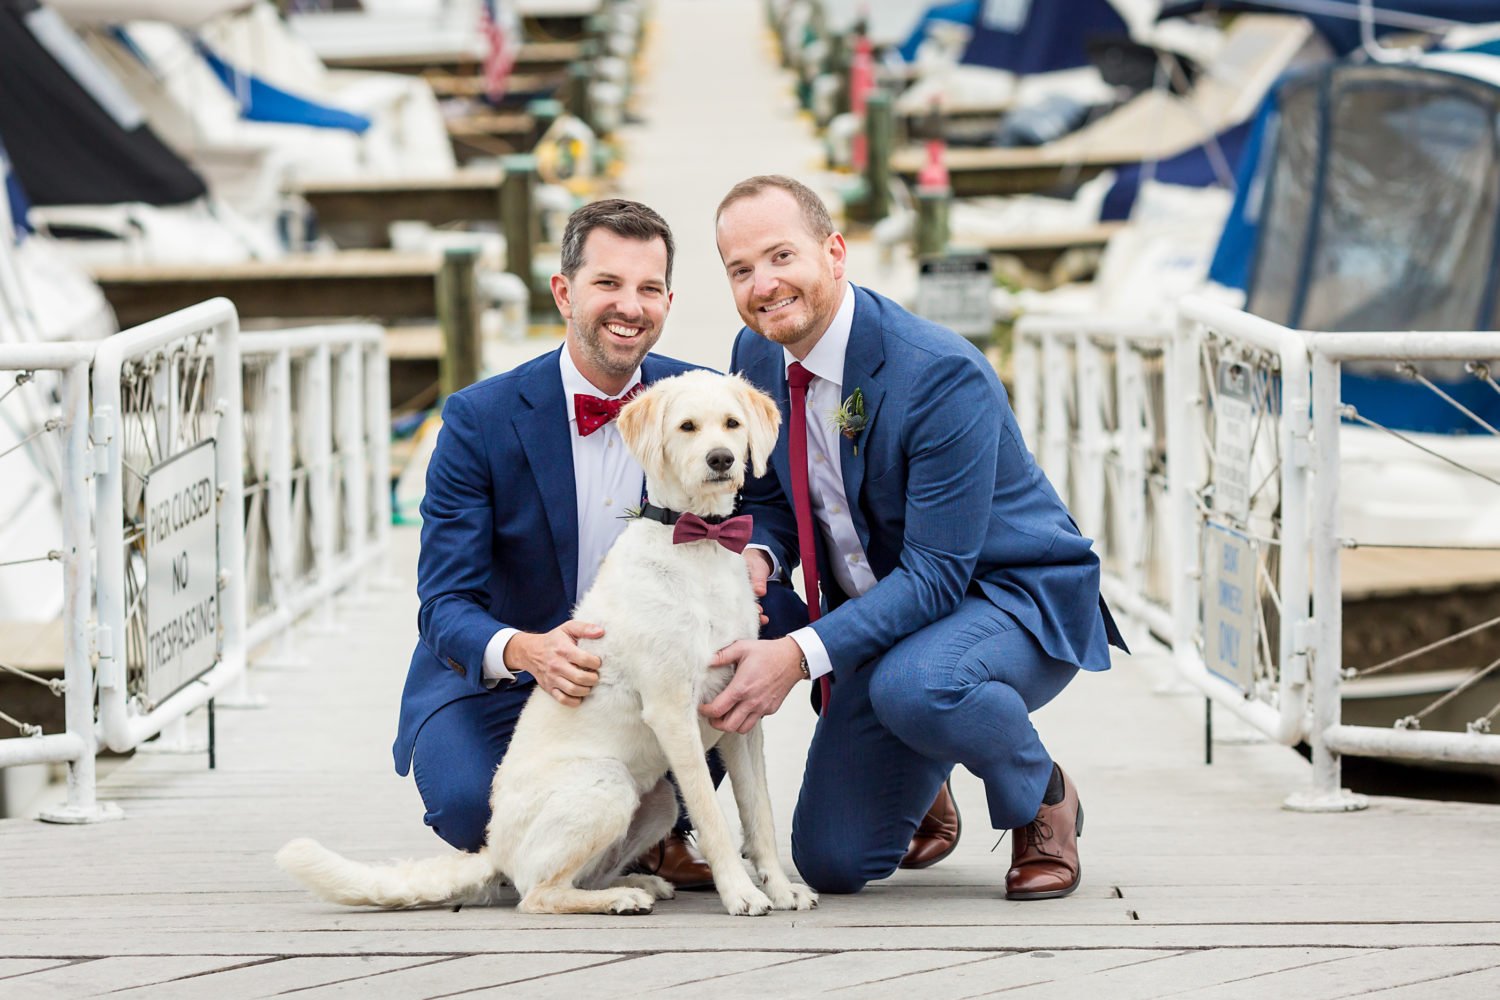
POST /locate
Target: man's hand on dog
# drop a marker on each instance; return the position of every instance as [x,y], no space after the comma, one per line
[561,669]
[765,670]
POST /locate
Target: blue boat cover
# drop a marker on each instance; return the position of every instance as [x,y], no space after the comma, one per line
[15,196]
[959,12]
[261,102]
[1342,31]
[1191,168]
[1365,202]
[1039,36]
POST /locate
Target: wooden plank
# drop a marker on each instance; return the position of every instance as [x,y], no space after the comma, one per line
[359,213]
[102,975]
[1482,985]
[1368,573]
[12,967]
[858,973]
[976,172]
[533,57]
[978,975]
[1170,974]
[1358,973]
[460,975]
[650,973]
[273,976]
[353,283]
[518,86]
[33,646]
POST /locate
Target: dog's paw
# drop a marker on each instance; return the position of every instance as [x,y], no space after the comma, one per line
[746,902]
[793,896]
[655,885]
[631,901]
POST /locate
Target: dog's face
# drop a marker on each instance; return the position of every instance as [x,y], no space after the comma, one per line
[695,434]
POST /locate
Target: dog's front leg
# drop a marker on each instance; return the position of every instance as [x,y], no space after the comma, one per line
[675,723]
[745,761]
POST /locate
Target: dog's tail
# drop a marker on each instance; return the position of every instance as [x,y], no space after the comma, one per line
[451,878]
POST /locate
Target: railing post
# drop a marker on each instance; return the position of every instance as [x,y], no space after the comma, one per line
[932,230]
[1326,794]
[1131,527]
[82,804]
[880,136]
[518,216]
[1054,443]
[351,437]
[1184,474]
[459,317]
[1087,500]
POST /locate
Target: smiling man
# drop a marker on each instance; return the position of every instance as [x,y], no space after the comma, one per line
[526,490]
[956,594]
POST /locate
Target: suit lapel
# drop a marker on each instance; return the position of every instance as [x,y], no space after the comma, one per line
[545,435]
[863,359]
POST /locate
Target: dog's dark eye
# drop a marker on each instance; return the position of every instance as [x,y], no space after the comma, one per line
[687,425]
[731,423]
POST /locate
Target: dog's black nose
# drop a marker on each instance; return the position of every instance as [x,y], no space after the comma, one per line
[720,459]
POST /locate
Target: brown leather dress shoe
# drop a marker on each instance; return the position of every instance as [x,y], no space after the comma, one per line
[937,834]
[675,859]
[1044,853]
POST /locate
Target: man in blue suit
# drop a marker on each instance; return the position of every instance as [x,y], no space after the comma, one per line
[959,595]
[527,488]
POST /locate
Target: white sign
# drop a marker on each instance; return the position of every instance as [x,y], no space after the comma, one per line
[954,291]
[182,570]
[1230,605]
[1233,428]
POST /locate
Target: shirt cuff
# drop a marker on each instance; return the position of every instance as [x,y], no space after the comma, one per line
[813,651]
[494,658]
[771,556]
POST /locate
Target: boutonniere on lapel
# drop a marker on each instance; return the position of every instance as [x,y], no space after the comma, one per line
[850,418]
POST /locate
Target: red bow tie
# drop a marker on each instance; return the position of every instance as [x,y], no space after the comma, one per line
[733,533]
[594,412]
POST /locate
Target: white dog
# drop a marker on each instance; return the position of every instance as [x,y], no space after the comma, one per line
[582,791]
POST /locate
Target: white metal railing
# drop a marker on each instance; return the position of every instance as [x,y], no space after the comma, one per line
[160,390]
[296,515]
[64,466]
[317,490]
[1256,470]
[1124,419]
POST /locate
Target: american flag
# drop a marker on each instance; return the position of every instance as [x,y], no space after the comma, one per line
[502,35]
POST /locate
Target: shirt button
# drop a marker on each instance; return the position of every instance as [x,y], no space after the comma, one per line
[609,501]
[836,509]
[854,558]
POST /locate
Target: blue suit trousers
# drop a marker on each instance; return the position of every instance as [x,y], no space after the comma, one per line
[959,691]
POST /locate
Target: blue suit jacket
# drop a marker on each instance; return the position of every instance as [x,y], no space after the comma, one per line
[945,497]
[499,532]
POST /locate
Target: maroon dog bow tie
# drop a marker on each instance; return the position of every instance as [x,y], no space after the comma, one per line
[733,533]
[593,412]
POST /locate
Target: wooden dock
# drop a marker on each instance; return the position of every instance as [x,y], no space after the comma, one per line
[1196,883]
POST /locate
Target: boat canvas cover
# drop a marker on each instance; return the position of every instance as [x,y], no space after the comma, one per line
[74,136]
[15,197]
[1339,23]
[1040,36]
[264,102]
[1369,200]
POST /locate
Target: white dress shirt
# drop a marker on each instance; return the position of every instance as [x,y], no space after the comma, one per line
[825,474]
[608,481]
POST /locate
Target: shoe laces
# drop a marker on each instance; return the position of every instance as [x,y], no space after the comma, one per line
[1038,834]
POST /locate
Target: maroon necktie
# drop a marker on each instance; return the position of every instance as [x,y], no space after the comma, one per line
[733,533]
[798,379]
[593,412]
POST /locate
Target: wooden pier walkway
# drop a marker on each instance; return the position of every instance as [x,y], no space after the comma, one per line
[1196,883]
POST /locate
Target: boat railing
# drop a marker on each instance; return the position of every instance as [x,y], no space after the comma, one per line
[239,482]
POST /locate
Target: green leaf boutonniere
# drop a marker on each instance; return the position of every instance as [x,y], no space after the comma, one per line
[850,418]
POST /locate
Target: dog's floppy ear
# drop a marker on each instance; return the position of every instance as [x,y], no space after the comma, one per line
[640,424]
[765,421]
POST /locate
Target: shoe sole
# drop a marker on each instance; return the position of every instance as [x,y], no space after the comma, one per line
[951,847]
